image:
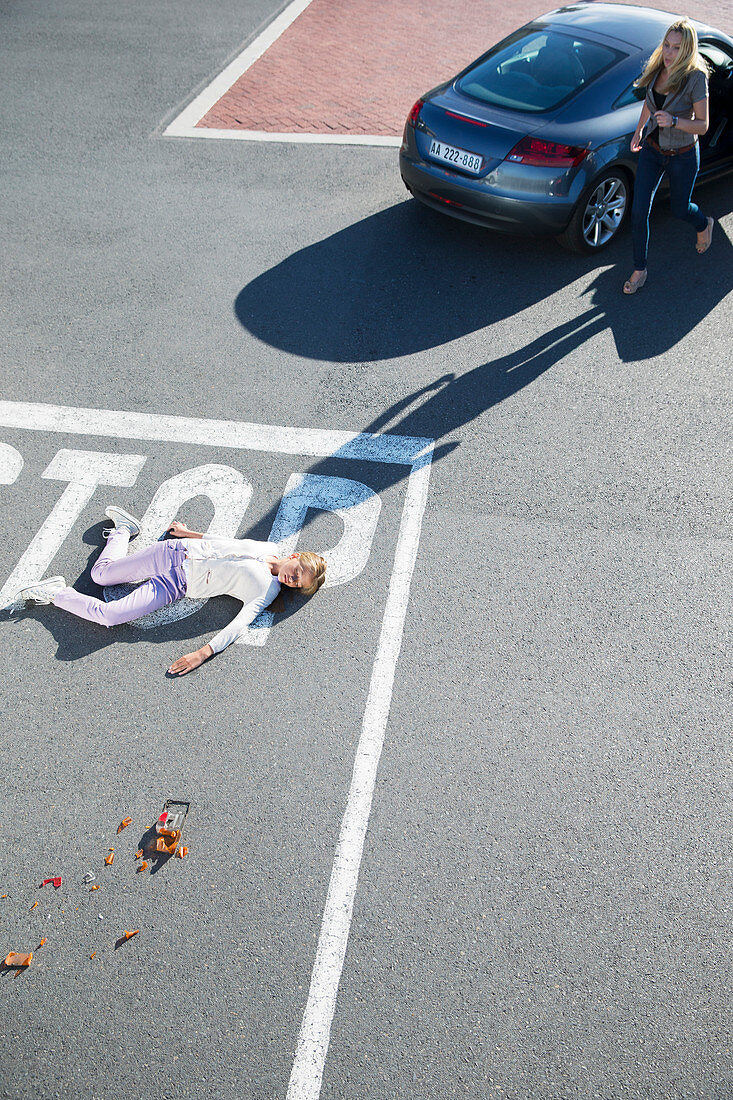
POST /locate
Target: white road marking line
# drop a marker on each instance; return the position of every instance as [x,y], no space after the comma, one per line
[416,452]
[185,124]
[291,138]
[363,446]
[310,1054]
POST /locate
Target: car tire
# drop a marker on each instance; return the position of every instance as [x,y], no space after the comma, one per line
[600,213]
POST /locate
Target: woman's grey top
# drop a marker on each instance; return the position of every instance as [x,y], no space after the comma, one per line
[677,103]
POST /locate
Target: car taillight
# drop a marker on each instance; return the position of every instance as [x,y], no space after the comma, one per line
[415,112]
[546,154]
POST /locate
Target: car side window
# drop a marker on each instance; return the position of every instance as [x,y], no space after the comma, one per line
[630,95]
[719,60]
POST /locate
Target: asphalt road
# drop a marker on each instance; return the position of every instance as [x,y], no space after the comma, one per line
[544,900]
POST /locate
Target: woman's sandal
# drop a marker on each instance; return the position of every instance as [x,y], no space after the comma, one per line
[709,231]
[632,285]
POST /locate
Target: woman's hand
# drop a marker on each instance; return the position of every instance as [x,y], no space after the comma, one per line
[635,144]
[191,661]
[663,119]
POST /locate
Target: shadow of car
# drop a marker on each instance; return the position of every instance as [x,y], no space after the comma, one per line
[533,136]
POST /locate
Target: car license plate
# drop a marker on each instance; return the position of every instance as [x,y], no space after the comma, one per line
[459,158]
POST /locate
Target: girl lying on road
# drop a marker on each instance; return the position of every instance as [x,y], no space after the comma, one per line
[189,564]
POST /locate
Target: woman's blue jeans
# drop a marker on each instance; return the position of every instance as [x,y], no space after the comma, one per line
[681,170]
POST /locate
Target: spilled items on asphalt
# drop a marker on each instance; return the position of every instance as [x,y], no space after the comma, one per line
[161,840]
[17,959]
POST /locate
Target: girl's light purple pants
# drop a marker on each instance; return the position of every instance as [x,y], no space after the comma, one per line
[160,567]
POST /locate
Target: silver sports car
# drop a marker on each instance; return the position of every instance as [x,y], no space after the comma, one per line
[534,135]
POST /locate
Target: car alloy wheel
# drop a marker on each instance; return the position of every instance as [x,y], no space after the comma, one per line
[599,214]
[604,211]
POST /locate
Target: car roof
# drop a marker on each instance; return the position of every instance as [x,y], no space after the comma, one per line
[640,27]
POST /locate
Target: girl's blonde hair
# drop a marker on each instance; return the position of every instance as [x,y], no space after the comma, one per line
[688,59]
[317,566]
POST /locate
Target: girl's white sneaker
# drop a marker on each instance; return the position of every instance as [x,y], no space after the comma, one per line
[123,520]
[42,591]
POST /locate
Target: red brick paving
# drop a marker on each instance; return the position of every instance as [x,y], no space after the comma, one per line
[357,66]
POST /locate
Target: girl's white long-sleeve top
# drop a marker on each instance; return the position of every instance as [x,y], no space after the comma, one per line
[216,566]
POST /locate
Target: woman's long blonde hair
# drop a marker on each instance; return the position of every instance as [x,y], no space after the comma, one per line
[688,59]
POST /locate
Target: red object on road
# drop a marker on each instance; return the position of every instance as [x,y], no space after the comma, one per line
[56,881]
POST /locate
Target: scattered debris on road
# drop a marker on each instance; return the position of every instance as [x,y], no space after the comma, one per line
[161,840]
[17,959]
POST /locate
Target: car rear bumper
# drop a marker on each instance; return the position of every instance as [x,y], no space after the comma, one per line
[475,200]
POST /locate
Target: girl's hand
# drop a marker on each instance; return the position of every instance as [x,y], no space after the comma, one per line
[663,118]
[191,661]
[635,143]
[178,529]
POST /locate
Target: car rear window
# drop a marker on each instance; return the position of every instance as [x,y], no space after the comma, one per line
[536,70]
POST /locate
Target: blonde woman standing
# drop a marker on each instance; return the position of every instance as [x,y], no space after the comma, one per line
[674,115]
